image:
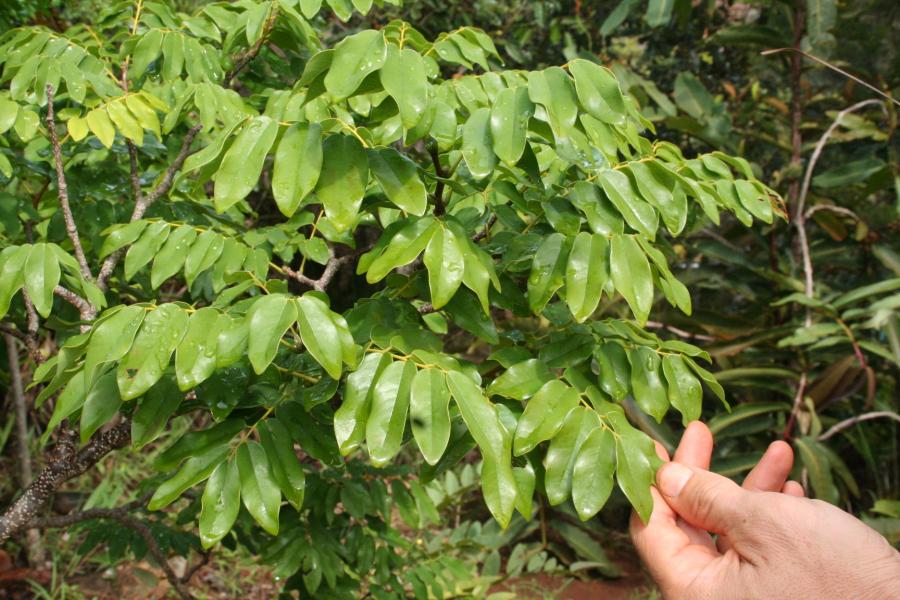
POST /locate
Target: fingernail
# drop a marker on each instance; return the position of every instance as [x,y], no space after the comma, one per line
[672,478]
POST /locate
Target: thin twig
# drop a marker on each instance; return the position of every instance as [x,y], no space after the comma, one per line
[63,190]
[486,229]
[321,284]
[680,332]
[800,212]
[32,340]
[832,208]
[798,402]
[7,330]
[35,548]
[833,68]
[439,186]
[243,59]
[846,423]
[143,202]
[123,516]
[134,176]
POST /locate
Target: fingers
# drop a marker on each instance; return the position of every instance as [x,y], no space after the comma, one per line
[792,488]
[703,499]
[695,449]
[772,470]
[670,554]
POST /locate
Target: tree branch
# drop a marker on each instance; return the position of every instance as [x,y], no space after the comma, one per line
[31,340]
[143,202]
[85,308]
[332,266]
[63,190]
[244,58]
[486,229]
[21,514]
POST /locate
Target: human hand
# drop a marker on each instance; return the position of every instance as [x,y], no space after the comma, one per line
[773,543]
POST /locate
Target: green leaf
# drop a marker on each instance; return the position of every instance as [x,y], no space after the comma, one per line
[351,417]
[125,122]
[657,185]
[11,274]
[631,275]
[143,365]
[243,162]
[639,215]
[145,52]
[497,479]
[204,252]
[403,248]
[320,334]
[614,370]
[220,503]
[479,273]
[355,57]
[170,259]
[111,337]
[196,442]
[153,411]
[521,380]
[553,89]
[598,91]
[445,263]
[286,468]
[525,482]
[617,16]
[559,462]
[815,459]
[404,77]
[342,183]
[849,173]
[121,237]
[387,416]
[547,271]
[259,492]
[647,385]
[587,272]
[659,12]
[9,110]
[592,475]
[195,470]
[146,248]
[707,378]
[100,125]
[510,115]
[41,277]
[544,415]
[399,178]
[195,357]
[685,392]
[298,163]
[636,464]
[101,404]
[601,216]
[477,144]
[429,413]
[269,318]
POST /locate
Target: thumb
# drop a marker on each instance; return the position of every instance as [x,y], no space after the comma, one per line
[703,499]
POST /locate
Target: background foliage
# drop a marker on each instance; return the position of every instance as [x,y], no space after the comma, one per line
[279,198]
